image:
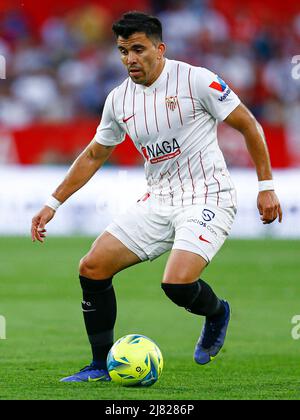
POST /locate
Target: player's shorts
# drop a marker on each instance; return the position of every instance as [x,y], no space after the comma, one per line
[149,229]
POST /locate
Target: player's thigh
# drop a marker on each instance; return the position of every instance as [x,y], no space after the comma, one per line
[107,257]
[183,267]
[200,232]
[145,229]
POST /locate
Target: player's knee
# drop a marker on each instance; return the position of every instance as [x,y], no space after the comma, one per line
[181,294]
[179,277]
[85,267]
[90,269]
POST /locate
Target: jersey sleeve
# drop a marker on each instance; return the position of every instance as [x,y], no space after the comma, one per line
[109,132]
[214,94]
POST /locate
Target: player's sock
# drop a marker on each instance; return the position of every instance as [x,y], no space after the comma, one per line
[197,298]
[99,311]
[207,303]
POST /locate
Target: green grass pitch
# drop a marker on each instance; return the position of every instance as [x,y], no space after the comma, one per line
[40,298]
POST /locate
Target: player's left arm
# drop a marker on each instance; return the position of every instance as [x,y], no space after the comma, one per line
[242,120]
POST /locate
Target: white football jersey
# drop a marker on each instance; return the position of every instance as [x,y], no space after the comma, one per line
[173,123]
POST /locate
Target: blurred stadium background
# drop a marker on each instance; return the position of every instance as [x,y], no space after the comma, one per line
[61,62]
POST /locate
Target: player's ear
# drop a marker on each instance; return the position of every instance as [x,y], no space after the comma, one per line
[161,50]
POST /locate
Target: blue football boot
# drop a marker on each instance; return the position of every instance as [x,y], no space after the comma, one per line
[212,337]
[88,374]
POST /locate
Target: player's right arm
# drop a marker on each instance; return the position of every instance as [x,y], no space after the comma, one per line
[109,134]
[82,170]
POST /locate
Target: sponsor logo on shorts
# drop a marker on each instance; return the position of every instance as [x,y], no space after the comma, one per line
[162,151]
[207,215]
[203,224]
[203,239]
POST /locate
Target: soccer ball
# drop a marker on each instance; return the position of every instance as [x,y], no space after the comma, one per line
[135,360]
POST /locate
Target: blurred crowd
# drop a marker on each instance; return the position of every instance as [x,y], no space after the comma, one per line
[66,67]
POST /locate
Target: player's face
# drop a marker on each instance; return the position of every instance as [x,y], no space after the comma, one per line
[142,57]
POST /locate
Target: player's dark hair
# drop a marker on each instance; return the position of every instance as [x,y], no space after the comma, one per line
[133,22]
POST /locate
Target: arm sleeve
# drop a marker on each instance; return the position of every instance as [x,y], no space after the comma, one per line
[214,94]
[109,132]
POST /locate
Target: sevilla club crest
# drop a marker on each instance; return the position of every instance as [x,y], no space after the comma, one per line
[172,102]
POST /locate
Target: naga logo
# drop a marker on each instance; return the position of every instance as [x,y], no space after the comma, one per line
[160,152]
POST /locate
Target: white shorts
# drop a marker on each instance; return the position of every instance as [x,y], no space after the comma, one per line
[149,229]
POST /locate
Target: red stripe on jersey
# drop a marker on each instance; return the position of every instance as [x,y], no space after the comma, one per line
[124,105]
[125,98]
[144,197]
[177,84]
[204,176]
[155,111]
[145,112]
[230,186]
[171,189]
[166,101]
[193,196]
[133,111]
[181,185]
[218,193]
[179,110]
[191,95]
[160,179]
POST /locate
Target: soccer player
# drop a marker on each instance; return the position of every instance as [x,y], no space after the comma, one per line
[170,110]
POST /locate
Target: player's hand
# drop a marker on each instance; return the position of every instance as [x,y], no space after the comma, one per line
[269,207]
[38,231]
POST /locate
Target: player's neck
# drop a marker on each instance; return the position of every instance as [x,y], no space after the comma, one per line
[158,72]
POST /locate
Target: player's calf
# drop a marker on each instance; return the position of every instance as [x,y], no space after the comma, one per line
[197,298]
[99,311]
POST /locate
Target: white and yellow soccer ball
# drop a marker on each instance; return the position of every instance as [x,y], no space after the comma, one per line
[135,360]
